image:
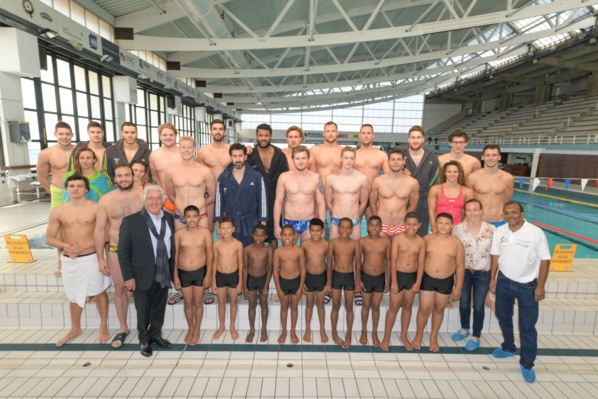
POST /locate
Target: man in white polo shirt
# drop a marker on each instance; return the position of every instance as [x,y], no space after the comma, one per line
[521,256]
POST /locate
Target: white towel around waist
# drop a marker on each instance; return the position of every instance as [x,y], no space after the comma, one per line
[81,278]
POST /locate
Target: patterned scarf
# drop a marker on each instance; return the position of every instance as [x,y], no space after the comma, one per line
[162,262]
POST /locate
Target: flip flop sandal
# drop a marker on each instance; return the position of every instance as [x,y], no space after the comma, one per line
[120,337]
[174,299]
[327,299]
[358,300]
[208,299]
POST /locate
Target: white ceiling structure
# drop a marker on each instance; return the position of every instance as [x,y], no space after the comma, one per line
[290,55]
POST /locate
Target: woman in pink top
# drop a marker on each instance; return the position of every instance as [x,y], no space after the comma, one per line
[450,195]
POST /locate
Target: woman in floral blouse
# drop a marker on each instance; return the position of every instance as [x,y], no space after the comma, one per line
[476,236]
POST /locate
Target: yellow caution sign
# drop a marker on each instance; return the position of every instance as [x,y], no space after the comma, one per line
[562,257]
[18,248]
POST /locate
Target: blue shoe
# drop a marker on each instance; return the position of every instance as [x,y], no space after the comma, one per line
[472,345]
[500,353]
[460,335]
[528,374]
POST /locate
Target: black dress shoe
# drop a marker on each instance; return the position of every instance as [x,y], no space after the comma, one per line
[146,349]
[162,342]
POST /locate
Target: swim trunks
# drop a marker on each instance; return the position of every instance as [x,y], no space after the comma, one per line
[112,248]
[343,281]
[55,196]
[372,283]
[299,225]
[169,206]
[441,285]
[193,277]
[181,219]
[81,278]
[392,230]
[227,279]
[315,282]
[289,285]
[497,224]
[335,221]
[255,283]
[406,280]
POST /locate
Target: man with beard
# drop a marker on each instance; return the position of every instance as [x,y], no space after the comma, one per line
[241,195]
[304,193]
[393,195]
[271,162]
[216,157]
[126,150]
[165,156]
[423,165]
[112,208]
[326,158]
[187,182]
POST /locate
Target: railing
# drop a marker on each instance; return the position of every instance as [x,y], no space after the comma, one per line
[535,140]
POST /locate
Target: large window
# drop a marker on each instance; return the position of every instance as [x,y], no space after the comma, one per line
[69,92]
[147,114]
[388,117]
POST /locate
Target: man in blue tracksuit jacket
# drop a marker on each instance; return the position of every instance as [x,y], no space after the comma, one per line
[241,194]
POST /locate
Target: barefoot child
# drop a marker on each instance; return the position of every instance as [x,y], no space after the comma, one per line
[315,249]
[289,277]
[257,271]
[408,252]
[343,253]
[445,258]
[228,262]
[373,271]
[193,269]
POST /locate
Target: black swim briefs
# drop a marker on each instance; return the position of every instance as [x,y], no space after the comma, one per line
[193,277]
[315,282]
[373,283]
[290,285]
[406,280]
[441,285]
[343,281]
[255,283]
[227,279]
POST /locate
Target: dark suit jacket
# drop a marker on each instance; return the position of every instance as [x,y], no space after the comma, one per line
[135,251]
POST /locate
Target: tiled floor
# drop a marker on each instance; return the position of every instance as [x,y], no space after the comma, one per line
[31,365]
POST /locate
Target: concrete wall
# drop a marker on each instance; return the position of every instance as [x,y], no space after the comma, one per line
[436,114]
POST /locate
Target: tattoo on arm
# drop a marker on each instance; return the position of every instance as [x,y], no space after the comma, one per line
[320,184]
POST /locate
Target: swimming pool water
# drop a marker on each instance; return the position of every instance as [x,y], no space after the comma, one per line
[572,217]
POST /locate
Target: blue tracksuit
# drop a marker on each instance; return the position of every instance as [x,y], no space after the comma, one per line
[246,203]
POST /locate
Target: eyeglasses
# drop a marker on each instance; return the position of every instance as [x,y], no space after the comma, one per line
[459,142]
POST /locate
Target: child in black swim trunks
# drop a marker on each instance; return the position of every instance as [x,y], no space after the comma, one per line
[445,258]
[257,271]
[315,249]
[407,255]
[228,265]
[289,277]
[193,269]
[343,253]
[373,271]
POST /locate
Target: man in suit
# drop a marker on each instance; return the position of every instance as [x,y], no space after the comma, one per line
[146,253]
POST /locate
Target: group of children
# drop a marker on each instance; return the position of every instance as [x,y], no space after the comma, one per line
[405,265]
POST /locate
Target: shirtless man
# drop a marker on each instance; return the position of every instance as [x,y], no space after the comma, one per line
[55,160]
[187,182]
[443,267]
[304,193]
[295,137]
[75,222]
[458,141]
[347,194]
[326,157]
[96,143]
[216,157]
[393,195]
[165,156]
[112,208]
[491,186]
[369,160]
